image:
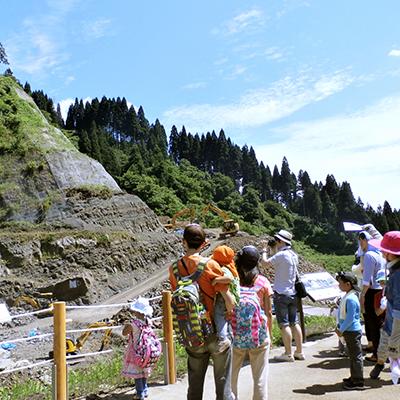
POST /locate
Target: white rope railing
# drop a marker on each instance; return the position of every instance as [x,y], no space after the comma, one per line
[70,357]
[45,310]
[26,367]
[100,328]
[48,310]
[34,337]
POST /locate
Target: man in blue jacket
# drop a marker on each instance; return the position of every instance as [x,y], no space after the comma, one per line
[390,334]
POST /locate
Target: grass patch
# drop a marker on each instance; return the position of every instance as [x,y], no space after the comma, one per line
[315,325]
[331,262]
[104,375]
[25,390]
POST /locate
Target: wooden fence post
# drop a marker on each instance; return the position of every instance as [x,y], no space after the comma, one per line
[169,335]
[60,359]
[301,317]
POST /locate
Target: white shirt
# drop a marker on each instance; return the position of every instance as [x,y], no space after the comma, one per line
[285,263]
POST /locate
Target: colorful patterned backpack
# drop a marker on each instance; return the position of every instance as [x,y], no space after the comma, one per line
[191,321]
[249,322]
[148,347]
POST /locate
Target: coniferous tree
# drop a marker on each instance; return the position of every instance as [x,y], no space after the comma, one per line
[85,144]
[174,144]
[266,180]
[287,184]
[95,145]
[391,218]
[346,203]
[313,203]
[184,149]
[60,120]
[236,162]
[196,151]
[329,211]
[332,189]
[3,55]
[27,88]
[254,170]
[144,124]
[276,185]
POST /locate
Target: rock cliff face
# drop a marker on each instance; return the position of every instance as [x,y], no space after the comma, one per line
[64,217]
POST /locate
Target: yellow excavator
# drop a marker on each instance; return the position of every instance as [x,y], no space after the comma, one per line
[229,228]
[74,348]
[179,214]
[34,303]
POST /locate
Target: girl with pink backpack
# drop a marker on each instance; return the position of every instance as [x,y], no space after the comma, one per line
[144,349]
[252,323]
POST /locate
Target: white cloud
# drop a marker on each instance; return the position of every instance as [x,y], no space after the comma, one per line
[361,148]
[246,22]
[395,53]
[97,29]
[64,105]
[261,106]
[195,85]
[38,46]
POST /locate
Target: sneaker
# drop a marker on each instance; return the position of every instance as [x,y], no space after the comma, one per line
[353,385]
[222,345]
[374,374]
[298,356]
[346,380]
[284,357]
[342,354]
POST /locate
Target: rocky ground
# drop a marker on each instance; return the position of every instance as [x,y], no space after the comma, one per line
[112,272]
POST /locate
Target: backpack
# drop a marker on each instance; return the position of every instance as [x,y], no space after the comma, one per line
[249,322]
[191,320]
[148,347]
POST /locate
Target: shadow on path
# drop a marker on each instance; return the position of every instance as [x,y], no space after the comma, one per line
[318,389]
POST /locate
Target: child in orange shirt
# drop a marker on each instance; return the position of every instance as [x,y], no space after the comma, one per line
[224,255]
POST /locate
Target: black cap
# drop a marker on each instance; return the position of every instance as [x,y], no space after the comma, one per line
[249,255]
[349,277]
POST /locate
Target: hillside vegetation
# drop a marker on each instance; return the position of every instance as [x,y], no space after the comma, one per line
[185,170]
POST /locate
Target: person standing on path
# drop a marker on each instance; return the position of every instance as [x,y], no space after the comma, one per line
[389,344]
[349,327]
[285,262]
[256,286]
[194,238]
[373,262]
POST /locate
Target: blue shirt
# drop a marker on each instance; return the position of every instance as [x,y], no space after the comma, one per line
[392,291]
[372,263]
[352,320]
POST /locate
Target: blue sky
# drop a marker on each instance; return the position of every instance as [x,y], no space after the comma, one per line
[316,81]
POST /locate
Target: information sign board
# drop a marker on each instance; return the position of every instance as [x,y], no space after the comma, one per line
[321,286]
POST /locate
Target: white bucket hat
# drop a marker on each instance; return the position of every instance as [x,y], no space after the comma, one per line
[285,236]
[142,306]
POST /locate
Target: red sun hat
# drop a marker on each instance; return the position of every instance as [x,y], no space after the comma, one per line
[389,244]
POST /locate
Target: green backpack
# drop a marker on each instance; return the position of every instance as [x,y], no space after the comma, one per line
[191,321]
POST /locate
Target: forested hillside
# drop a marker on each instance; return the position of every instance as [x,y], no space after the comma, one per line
[184,170]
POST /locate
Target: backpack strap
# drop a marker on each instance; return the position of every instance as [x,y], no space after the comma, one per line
[196,274]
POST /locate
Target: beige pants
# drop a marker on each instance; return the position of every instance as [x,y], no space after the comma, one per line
[259,367]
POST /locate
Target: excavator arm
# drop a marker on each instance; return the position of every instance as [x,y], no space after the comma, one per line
[230,227]
[179,214]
